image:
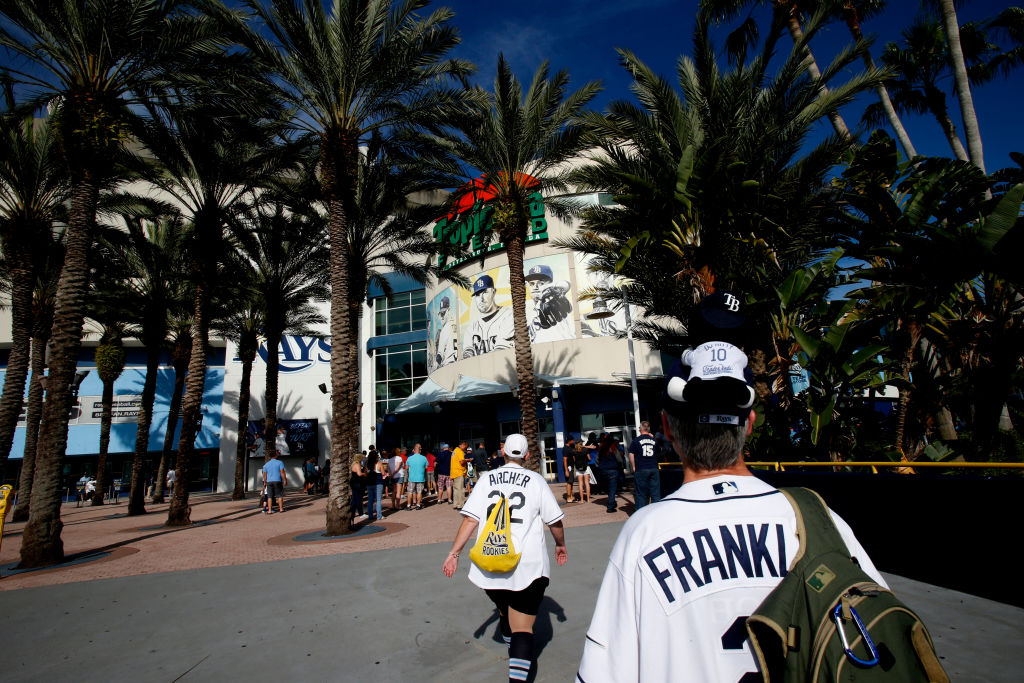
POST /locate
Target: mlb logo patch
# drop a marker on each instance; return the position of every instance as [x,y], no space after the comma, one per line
[725,487]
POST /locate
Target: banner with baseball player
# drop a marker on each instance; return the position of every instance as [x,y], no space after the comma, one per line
[442,333]
[485,320]
[589,281]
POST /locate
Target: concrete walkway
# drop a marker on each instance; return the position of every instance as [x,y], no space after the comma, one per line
[236,599]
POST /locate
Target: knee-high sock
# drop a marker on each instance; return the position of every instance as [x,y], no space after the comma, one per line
[520,652]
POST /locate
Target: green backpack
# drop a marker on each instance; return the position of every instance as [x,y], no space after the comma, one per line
[829,621]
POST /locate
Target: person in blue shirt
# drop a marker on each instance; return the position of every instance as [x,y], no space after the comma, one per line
[274,479]
[416,464]
[643,458]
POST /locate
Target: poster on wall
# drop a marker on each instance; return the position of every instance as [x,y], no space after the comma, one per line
[485,310]
[295,438]
[442,335]
[588,281]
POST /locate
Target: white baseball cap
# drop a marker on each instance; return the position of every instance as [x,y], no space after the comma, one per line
[516,446]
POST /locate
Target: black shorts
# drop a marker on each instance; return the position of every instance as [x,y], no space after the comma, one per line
[275,490]
[526,601]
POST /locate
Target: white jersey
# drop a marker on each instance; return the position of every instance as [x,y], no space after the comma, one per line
[683,577]
[445,346]
[531,507]
[489,333]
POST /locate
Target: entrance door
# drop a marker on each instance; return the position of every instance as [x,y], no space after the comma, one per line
[548,467]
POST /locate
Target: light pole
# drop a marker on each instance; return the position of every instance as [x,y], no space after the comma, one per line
[605,312]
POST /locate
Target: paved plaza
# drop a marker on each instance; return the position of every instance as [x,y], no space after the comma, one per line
[235,597]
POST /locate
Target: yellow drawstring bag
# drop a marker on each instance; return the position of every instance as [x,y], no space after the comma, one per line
[494,550]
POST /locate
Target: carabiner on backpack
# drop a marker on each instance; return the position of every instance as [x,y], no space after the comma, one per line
[837,616]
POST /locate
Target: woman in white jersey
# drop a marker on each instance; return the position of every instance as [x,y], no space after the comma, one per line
[517,594]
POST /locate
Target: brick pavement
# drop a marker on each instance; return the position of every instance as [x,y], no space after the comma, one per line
[227,533]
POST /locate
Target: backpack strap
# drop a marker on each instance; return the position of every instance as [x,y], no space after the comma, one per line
[814,526]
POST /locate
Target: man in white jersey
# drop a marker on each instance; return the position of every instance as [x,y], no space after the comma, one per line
[686,572]
[493,328]
[517,594]
[445,349]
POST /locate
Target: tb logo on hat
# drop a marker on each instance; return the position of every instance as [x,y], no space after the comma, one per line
[731,303]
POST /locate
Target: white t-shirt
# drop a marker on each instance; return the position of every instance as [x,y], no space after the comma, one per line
[531,508]
[684,572]
[397,468]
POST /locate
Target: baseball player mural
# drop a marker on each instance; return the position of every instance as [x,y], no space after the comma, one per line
[490,326]
[595,282]
[443,342]
[548,311]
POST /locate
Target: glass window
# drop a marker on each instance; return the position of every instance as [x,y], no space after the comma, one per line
[419,363]
[381,363]
[546,424]
[400,370]
[591,422]
[401,299]
[380,324]
[400,389]
[419,296]
[399,365]
[402,312]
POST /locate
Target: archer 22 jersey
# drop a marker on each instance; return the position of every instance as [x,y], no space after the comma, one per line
[489,333]
[684,575]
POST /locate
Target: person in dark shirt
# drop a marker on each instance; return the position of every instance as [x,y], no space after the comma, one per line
[443,469]
[643,458]
[480,459]
[496,461]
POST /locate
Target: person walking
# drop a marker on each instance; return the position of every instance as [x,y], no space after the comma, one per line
[171,476]
[569,467]
[667,597]
[516,594]
[396,470]
[416,469]
[608,463]
[443,470]
[274,478]
[357,482]
[375,473]
[643,460]
[458,469]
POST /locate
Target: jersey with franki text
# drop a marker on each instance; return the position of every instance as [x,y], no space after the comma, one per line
[531,507]
[490,333]
[645,452]
[683,577]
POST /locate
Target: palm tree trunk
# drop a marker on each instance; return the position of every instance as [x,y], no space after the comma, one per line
[179,512]
[22,281]
[514,249]
[137,490]
[41,543]
[243,422]
[338,161]
[273,363]
[797,34]
[182,352]
[101,461]
[32,416]
[853,23]
[938,109]
[963,87]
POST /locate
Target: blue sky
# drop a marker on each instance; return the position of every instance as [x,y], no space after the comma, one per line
[582,37]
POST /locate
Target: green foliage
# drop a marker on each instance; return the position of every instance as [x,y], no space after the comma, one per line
[110,360]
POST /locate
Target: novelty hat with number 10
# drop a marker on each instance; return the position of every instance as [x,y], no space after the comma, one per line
[707,385]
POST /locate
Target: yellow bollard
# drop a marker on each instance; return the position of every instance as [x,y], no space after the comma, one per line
[5,493]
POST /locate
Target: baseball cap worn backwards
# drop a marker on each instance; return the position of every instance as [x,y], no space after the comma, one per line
[483,282]
[540,272]
[516,446]
[708,385]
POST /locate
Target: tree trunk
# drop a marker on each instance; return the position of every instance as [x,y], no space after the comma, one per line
[937,105]
[32,416]
[797,34]
[41,542]
[514,249]
[273,362]
[904,400]
[22,281]
[182,352]
[243,422]
[853,23]
[137,489]
[179,513]
[101,461]
[963,86]
[947,430]
[338,164]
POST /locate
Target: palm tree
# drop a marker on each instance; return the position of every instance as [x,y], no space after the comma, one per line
[784,12]
[44,294]
[289,261]
[94,84]
[963,86]
[33,188]
[243,327]
[713,183]
[210,160]
[519,145]
[110,360]
[359,67]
